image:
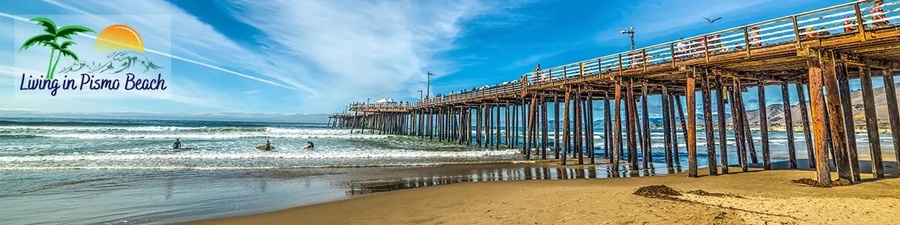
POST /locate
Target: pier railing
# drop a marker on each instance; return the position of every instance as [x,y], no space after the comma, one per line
[843,19]
[835,20]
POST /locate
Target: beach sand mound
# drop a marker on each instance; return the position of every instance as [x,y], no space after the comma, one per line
[815,183]
[657,191]
[701,192]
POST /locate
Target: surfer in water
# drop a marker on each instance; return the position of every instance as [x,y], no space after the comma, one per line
[268,145]
[309,145]
[177,144]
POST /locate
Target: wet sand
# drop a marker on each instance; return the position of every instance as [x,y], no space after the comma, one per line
[755,197]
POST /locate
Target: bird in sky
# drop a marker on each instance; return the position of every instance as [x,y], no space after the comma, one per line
[713,20]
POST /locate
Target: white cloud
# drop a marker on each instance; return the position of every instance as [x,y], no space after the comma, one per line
[359,48]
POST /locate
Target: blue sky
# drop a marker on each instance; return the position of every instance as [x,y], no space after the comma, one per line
[287,57]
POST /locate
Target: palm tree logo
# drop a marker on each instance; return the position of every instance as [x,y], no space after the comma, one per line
[51,38]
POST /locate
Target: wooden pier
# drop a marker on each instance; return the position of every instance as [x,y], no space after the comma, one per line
[857,42]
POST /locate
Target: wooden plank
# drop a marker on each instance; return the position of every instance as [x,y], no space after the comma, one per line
[868,96]
[804,121]
[788,125]
[720,113]
[630,126]
[849,129]
[893,112]
[764,126]
[836,121]
[817,107]
[645,116]
[691,130]
[708,124]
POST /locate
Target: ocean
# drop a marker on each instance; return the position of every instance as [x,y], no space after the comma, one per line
[125,171]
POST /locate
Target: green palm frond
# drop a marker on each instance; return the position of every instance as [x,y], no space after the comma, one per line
[65,45]
[52,45]
[48,24]
[68,53]
[68,31]
[41,38]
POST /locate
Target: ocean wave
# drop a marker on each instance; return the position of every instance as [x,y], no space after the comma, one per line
[376,154]
[212,136]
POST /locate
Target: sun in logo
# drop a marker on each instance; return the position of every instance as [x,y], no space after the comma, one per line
[119,37]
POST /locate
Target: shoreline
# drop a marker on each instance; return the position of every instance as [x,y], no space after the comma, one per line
[601,201]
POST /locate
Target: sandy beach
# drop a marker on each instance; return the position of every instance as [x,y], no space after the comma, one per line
[755,197]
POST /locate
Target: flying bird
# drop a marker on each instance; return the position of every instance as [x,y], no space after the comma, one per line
[713,20]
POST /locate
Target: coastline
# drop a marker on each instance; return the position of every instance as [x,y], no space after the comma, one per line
[754,197]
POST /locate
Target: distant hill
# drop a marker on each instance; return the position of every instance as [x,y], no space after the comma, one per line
[775,112]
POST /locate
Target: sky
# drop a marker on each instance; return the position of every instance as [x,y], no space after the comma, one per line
[311,57]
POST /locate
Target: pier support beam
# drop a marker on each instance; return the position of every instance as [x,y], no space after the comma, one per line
[817,107]
[631,129]
[849,129]
[556,123]
[789,124]
[617,130]
[721,96]
[667,128]
[764,126]
[645,117]
[566,144]
[836,121]
[691,124]
[868,95]
[708,124]
[893,112]
[804,121]
[607,126]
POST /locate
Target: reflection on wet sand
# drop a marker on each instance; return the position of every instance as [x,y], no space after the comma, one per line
[505,173]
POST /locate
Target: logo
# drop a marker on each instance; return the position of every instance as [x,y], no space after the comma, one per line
[124,61]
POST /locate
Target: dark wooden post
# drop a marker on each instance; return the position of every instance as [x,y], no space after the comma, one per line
[804,121]
[789,124]
[590,125]
[836,122]
[556,124]
[531,126]
[850,130]
[868,95]
[667,128]
[721,96]
[617,130]
[893,113]
[691,130]
[630,126]
[607,126]
[817,107]
[578,127]
[748,134]
[684,130]
[565,150]
[764,125]
[544,130]
[645,142]
[708,124]
[524,125]
[507,126]
[737,125]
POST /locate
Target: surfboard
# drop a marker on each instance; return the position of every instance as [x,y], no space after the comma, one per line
[307,148]
[263,147]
